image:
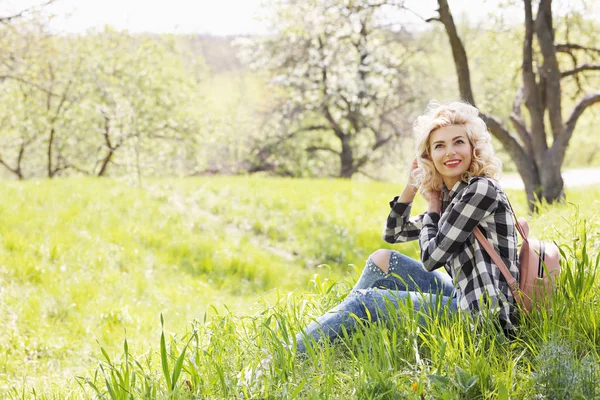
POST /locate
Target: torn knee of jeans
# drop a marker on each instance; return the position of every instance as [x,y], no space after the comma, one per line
[374,267]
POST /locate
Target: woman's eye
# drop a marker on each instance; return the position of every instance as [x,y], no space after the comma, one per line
[460,141]
[438,146]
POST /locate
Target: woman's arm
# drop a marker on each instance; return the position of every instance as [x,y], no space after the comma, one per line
[439,243]
[399,227]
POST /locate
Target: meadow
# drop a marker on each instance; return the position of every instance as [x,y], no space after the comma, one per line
[180,288]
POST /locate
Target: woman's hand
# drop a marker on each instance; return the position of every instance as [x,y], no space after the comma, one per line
[434,201]
[410,191]
[412,181]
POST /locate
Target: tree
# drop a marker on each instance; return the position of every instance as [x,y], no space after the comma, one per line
[538,161]
[25,52]
[23,88]
[143,102]
[23,132]
[341,77]
[85,103]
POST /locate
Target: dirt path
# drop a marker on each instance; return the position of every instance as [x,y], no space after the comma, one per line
[573,178]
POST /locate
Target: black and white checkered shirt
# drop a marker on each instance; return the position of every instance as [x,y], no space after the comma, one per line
[448,241]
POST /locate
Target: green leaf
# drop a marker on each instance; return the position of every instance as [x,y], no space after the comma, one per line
[163,355]
[502,391]
[440,381]
[179,364]
[105,354]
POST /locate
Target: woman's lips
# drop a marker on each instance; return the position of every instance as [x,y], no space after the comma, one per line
[452,163]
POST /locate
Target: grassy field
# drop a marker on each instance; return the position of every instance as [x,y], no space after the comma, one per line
[89,269]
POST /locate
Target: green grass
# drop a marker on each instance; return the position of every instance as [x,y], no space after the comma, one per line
[236,266]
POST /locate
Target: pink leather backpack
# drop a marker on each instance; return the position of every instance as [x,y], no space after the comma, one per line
[539,268]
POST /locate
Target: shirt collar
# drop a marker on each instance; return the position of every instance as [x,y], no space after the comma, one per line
[457,188]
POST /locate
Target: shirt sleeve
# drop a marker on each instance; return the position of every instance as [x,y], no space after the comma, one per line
[399,226]
[440,242]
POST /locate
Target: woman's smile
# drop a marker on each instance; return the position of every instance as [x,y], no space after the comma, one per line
[452,163]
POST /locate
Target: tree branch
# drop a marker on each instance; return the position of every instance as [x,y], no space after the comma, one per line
[4,20]
[264,152]
[8,167]
[416,14]
[358,164]
[364,159]
[312,149]
[579,108]
[577,78]
[525,164]
[458,52]
[381,141]
[567,47]
[25,81]
[334,125]
[580,68]
[516,118]
[386,121]
[501,132]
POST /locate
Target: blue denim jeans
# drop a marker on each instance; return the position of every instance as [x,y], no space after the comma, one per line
[406,276]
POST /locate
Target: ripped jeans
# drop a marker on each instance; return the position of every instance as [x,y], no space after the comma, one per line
[415,282]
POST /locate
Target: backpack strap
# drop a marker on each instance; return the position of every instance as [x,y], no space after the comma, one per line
[520,228]
[512,282]
[522,231]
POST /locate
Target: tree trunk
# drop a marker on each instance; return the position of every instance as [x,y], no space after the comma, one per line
[458,53]
[552,181]
[105,162]
[50,146]
[17,171]
[529,174]
[347,168]
[108,144]
[19,168]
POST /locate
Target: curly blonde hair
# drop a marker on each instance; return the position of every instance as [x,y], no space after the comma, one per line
[484,162]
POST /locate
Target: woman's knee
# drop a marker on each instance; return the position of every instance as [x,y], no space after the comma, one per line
[381,258]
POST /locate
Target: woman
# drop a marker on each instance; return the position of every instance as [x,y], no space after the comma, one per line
[456,171]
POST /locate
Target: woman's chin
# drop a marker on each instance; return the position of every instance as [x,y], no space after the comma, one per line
[453,174]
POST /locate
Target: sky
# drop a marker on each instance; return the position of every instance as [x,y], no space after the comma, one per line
[218,17]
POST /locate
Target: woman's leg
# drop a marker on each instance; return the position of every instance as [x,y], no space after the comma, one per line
[365,304]
[407,274]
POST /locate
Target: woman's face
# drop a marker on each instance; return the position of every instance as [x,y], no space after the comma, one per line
[451,152]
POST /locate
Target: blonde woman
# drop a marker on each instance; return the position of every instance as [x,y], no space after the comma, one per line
[456,171]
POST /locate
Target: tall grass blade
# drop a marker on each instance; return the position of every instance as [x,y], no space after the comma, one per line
[179,363]
[163,355]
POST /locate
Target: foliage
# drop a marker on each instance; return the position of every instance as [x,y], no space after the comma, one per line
[145,101]
[113,103]
[88,104]
[342,82]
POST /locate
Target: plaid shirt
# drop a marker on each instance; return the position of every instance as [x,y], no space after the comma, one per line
[448,241]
